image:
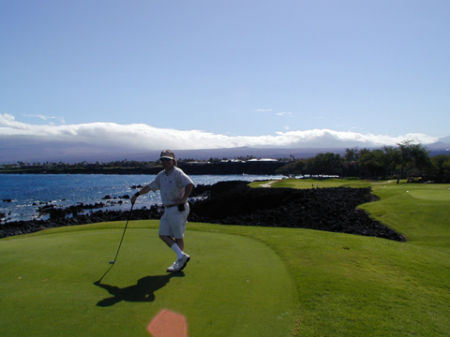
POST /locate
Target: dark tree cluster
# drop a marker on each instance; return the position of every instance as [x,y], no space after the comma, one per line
[408,160]
[114,167]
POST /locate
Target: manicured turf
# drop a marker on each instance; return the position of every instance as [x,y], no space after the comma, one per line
[313,183]
[242,281]
[234,286]
[420,211]
[376,287]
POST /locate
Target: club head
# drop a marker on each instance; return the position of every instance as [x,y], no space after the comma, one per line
[112,262]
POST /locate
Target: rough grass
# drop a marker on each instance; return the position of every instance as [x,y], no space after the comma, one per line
[242,281]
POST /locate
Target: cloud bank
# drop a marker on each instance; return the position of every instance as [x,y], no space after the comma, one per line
[141,137]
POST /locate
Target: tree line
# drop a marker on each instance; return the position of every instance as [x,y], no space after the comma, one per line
[61,167]
[407,160]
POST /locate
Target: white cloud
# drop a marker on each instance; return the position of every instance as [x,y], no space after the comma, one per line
[285,113]
[43,117]
[142,137]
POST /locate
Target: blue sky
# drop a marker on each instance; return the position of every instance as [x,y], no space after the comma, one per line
[202,74]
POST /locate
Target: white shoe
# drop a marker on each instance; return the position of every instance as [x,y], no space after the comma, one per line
[183,261]
[173,267]
[179,264]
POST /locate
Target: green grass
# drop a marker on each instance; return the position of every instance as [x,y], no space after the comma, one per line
[314,183]
[47,284]
[420,211]
[241,281]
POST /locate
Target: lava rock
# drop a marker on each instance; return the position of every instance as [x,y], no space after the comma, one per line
[235,203]
[328,209]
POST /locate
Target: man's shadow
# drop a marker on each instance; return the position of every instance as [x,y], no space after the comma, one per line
[143,291]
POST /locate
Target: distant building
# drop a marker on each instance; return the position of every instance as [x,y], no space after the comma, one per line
[263,160]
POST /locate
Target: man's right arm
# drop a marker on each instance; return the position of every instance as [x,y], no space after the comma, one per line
[144,190]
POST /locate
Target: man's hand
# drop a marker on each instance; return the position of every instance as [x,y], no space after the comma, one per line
[179,201]
[144,190]
[187,192]
[133,199]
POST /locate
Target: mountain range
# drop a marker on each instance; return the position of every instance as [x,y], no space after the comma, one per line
[24,151]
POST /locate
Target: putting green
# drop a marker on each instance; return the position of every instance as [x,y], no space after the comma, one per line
[233,285]
[438,195]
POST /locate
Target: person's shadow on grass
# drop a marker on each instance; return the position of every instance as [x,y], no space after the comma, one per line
[143,291]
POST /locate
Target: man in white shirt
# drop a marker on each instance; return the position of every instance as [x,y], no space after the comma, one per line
[175,187]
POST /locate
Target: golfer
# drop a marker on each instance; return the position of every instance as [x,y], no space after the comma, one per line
[175,187]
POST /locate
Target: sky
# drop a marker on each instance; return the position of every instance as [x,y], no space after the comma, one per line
[146,75]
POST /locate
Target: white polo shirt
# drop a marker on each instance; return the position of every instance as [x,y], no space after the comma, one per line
[172,185]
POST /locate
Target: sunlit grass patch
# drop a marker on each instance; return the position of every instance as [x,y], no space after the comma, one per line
[313,183]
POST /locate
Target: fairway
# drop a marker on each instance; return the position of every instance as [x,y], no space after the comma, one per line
[442,195]
[233,285]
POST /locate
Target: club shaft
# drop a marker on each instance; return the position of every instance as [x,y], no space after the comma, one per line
[123,235]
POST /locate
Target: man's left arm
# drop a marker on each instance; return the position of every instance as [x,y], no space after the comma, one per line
[187,191]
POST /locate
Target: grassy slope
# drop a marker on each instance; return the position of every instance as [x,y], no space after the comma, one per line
[358,286]
[345,285]
[420,211]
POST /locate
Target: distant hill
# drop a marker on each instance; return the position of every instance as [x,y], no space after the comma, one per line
[445,140]
[256,152]
[76,153]
[440,147]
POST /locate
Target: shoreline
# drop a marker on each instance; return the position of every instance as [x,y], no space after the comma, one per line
[222,168]
[235,203]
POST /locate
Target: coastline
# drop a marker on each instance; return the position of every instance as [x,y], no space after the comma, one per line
[235,203]
[221,168]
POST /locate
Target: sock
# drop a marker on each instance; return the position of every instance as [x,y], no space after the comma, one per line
[177,250]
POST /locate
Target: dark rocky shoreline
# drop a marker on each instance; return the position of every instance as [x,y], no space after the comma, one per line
[234,203]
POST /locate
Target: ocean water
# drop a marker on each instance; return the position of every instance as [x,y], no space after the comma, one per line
[28,192]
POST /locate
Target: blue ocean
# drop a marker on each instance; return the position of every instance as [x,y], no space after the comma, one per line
[22,194]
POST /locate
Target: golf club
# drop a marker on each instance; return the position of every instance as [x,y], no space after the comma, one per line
[112,262]
[120,244]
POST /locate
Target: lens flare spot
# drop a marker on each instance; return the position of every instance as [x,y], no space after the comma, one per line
[168,324]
